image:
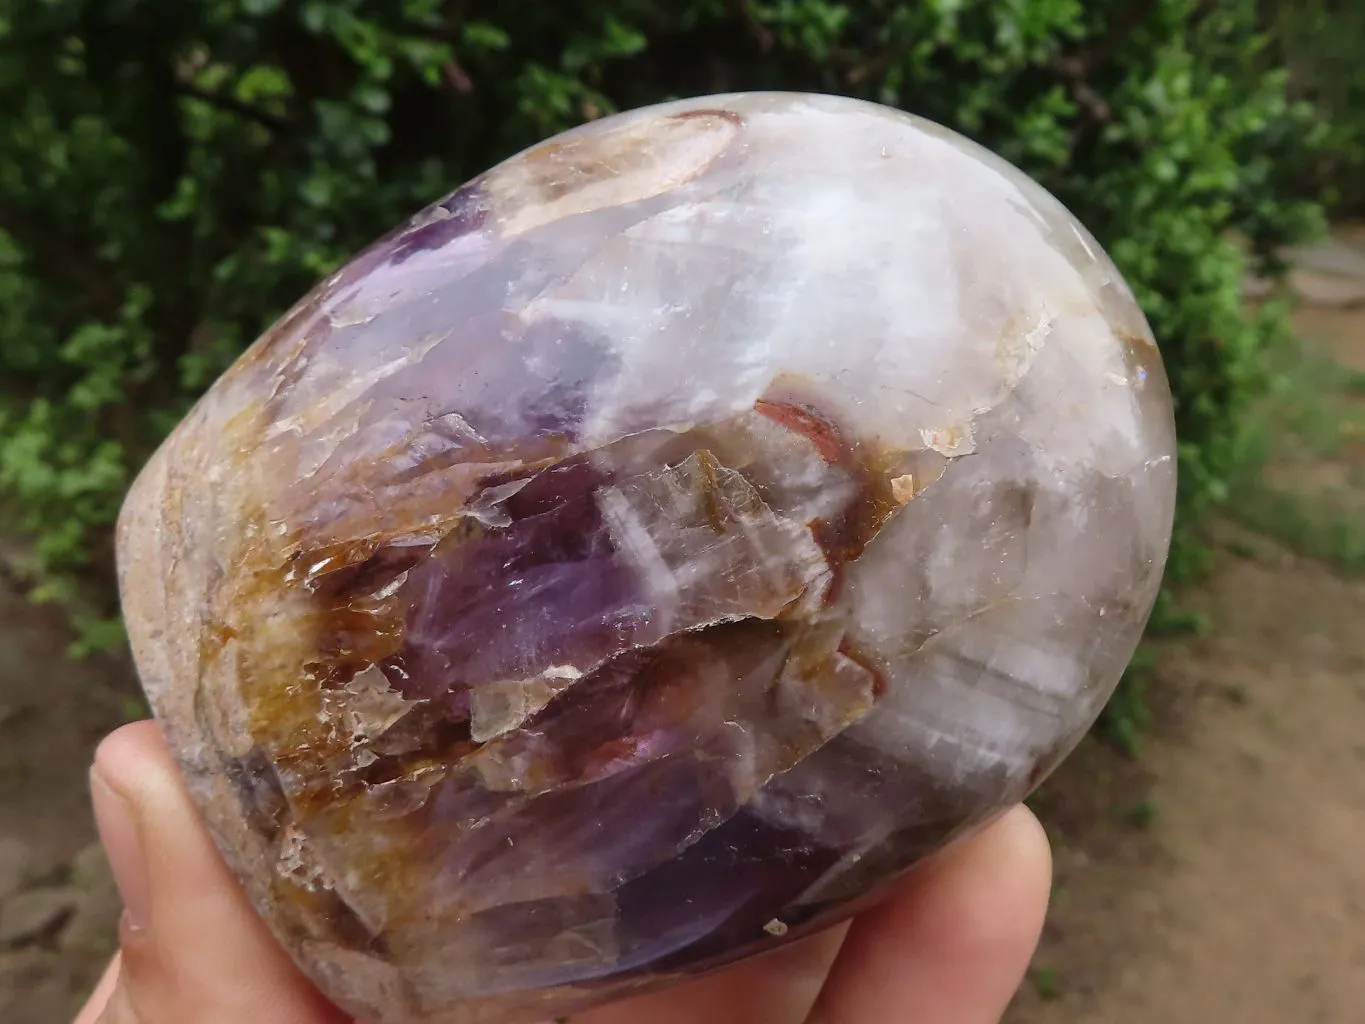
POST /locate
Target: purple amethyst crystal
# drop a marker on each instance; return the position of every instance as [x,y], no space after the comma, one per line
[647,553]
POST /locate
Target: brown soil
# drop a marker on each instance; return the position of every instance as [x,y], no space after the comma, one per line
[57,903]
[1219,877]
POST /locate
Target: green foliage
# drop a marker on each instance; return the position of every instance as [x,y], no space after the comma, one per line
[1046,982]
[1322,42]
[1141,813]
[176,174]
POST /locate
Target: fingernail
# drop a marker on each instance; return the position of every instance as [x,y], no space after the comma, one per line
[119,833]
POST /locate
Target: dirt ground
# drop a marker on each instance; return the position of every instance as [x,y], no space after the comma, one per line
[57,902]
[1220,877]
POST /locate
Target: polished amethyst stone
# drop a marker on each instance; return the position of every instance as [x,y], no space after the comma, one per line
[648,552]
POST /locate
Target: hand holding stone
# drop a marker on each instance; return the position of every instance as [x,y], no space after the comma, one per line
[948,948]
[645,556]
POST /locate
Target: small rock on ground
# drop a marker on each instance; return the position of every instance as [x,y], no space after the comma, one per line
[36,914]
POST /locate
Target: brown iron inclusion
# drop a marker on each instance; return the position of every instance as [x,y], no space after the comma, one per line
[647,553]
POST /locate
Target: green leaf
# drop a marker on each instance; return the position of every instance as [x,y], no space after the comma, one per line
[484,35]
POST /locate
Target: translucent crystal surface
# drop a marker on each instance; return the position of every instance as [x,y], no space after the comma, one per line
[644,554]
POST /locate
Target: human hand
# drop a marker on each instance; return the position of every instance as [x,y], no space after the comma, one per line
[950,947]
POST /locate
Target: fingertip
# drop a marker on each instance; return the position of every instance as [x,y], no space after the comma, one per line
[955,939]
[1016,835]
[127,753]
[1021,829]
[987,893]
[1015,849]
[192,946]
[1024,849]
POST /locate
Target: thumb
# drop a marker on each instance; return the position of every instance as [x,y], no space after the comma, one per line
[192,950]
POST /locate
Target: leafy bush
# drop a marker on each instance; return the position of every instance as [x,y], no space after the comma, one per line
[1322,43]
[174,174]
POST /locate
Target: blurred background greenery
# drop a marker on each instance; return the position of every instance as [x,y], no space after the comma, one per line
[175,173]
